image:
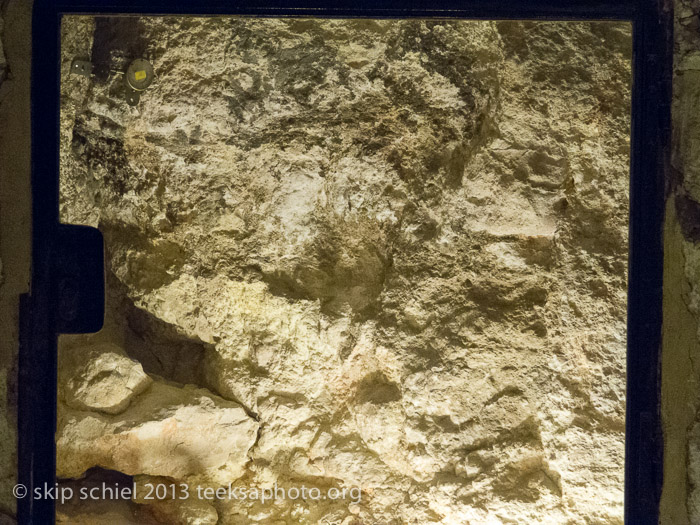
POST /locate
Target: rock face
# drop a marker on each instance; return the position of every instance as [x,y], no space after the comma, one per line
[15,225]
[681,388]
[183,433]
[399,245]
[100,378]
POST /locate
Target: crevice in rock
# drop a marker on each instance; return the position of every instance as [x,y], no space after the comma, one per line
[98,475]
[160,347]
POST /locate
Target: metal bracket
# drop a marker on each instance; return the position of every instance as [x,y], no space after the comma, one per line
[137,77]
[131,95]
[81,67]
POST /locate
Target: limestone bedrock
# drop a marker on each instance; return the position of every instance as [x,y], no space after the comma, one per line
[680,503]
[356,253]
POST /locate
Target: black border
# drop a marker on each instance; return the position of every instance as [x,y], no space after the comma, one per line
[650,142]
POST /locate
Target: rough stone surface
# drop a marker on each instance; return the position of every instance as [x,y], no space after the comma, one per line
[99,377]
[15,222]
[8,439]
[175,510]
[400,245]
[183,433]
[681,382]
[101,510]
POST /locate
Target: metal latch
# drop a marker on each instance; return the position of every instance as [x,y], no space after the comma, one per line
[81,67]
[137,77]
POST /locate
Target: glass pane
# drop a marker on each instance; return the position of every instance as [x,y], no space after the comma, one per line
[359,271]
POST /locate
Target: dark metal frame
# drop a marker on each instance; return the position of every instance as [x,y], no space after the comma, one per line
[67,294]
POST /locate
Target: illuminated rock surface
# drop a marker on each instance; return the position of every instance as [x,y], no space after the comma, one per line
[400,246]
[183,433]
[100,377]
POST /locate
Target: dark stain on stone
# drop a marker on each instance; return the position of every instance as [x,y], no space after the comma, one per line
[688,212]
[117,41]
[377,389]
